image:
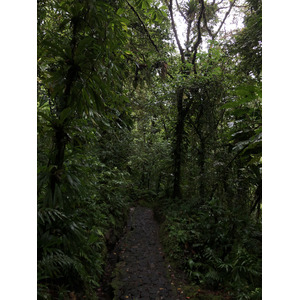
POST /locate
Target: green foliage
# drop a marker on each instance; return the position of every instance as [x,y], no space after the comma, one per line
[71,240]
[118,108]
[89,202]
[218,248]
[248,43]
[149,160]
[80,194]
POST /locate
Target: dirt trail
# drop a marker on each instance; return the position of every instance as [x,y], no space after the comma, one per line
[140,272]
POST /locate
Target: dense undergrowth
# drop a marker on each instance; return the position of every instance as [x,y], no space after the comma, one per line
[72,246]
[85,217]
[217,247]
[63,267]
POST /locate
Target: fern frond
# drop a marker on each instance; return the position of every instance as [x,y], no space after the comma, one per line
[49,215]
[53,263]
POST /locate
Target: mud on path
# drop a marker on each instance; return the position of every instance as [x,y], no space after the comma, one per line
[140,271]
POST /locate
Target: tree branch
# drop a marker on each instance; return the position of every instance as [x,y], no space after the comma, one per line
[145,28]
[147,32]
[170,6]
[180,11]
[220,8]
[188,31]
[226,15]
[205,23]
[199,36]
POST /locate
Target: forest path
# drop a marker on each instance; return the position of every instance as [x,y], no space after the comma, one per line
[141,271]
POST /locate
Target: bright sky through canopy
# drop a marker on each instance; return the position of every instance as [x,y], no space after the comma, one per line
[233,22]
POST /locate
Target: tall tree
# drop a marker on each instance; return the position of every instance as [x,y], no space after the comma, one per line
[200,18]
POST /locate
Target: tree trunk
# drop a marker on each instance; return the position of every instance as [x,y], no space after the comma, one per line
[60,138]
[179,130]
